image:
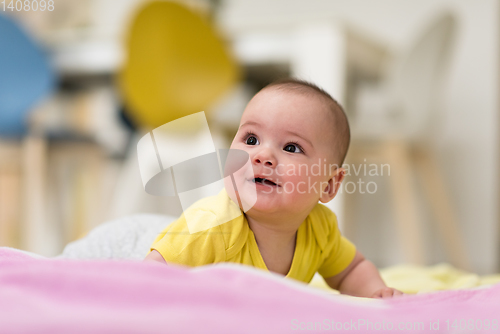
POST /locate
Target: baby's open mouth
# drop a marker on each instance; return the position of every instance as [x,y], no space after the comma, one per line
[264,181]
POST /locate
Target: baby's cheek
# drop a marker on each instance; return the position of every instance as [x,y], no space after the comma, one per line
[309,184]
[240,180]
[296,184]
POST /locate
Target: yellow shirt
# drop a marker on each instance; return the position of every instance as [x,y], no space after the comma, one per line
[319,245]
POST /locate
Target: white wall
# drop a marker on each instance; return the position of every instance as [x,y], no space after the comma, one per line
[469,142]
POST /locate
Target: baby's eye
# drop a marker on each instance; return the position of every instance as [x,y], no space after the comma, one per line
[251,140]
[293,148]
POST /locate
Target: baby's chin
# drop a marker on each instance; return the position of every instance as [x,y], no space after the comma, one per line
[264,211]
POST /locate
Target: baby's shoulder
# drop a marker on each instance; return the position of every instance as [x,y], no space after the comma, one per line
[323,216]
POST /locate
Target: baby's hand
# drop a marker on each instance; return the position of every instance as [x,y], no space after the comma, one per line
[386,293]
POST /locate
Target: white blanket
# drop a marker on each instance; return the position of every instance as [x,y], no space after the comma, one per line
[124,238]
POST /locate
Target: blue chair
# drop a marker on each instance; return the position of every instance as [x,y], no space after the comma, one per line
[25,77]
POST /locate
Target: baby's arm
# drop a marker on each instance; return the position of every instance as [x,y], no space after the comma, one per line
[155,256]
[362,279]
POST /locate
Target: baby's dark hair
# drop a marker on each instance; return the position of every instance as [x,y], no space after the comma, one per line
[342,133]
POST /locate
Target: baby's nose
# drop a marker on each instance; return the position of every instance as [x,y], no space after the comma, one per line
[266,162]
[264,157]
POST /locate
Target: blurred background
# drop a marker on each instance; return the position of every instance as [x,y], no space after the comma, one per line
[83,80]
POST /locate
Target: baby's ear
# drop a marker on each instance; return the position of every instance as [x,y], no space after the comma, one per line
[330,191]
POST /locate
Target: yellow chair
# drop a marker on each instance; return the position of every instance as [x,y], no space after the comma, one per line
[176,65]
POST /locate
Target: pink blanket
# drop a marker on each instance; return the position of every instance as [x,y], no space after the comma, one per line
[62,296]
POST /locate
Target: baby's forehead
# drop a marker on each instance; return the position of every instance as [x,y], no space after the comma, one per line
[318,106]
[291,107]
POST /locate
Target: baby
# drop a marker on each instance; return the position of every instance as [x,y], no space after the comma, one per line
[288,128]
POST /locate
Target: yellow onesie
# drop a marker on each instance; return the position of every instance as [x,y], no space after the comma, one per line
[319,245]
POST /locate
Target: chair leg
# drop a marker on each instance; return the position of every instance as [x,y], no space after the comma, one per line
[34,194]
[406,213]
[432,180]
[10,201]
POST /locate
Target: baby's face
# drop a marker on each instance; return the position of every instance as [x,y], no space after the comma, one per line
[285,135]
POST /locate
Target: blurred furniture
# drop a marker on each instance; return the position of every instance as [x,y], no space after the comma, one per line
[25,79]
[86,143]
[393,122]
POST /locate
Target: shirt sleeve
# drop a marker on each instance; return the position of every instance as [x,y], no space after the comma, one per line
[339,252]
[177,245]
